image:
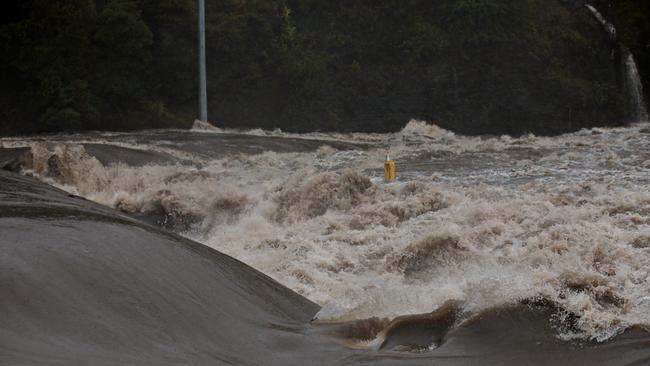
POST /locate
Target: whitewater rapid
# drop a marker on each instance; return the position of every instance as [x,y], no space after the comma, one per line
[487,221]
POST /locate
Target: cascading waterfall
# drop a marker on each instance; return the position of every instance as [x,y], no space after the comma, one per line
[609,27]
[632,82]
[634,88]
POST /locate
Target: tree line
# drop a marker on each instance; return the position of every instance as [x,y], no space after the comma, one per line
[474,66]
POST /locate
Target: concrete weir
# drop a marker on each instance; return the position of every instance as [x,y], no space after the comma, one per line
[82,284]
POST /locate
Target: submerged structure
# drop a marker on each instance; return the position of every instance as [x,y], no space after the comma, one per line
[86,284]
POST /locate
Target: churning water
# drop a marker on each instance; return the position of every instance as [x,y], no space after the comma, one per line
[483,221]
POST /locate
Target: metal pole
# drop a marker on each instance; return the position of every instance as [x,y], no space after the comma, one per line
[203,94]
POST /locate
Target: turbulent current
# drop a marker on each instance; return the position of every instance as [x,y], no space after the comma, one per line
[484,222]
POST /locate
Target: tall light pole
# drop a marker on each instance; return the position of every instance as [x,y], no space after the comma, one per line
[203,93]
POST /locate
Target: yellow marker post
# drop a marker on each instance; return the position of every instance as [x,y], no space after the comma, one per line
[389,169]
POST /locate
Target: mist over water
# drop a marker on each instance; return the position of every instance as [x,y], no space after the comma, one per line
[487,221]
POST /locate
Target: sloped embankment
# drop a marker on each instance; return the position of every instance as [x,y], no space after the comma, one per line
[82,284]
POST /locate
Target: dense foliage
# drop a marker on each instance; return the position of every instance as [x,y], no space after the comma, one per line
[474,66]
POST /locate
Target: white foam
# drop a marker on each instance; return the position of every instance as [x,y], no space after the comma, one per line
[566,218]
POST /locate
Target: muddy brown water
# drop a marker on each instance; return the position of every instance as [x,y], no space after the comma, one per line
[82,283]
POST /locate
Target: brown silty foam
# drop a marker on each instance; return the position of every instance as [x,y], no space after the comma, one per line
[486,220]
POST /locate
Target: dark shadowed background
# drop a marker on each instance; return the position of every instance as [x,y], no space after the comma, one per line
[506,66]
